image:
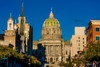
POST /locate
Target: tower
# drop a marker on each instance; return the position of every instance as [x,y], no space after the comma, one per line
[24,32]
[10,25]
[10,35]
[21,25]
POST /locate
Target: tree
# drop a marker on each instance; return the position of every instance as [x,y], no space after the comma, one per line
[93,52]
[13,55]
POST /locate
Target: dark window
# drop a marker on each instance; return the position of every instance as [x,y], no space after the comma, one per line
[56,59]
[97,37]
[78,37]
[97,29]
[83,38]
[83,42]
[10,25]
[78,44]
[66,52]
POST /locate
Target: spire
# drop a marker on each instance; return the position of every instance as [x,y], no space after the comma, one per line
[15,20]
[51,14]
[10,15]
[22,10]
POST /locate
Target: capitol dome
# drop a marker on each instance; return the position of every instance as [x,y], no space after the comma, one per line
[51,21]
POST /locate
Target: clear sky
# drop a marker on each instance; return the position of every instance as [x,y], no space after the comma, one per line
[70,13]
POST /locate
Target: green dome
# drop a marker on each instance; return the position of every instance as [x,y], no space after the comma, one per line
[51,22]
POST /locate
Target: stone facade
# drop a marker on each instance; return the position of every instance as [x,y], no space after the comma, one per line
[52,43]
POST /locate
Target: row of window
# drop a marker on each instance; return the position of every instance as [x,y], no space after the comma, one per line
[79,41]
[79,38]
[79,45]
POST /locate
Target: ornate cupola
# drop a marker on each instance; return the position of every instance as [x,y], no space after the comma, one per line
[10,22]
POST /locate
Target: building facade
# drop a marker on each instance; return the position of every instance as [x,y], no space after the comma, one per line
[51,43]
[78,41]
[93,31]
[18,35]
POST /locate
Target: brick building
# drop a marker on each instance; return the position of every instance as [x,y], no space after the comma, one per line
[93,31]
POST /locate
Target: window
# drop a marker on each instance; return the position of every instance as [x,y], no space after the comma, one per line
[97,37]
[83,42]
[83,38]
[56,59]
[79,48]
[78,44]
[66,52]
[78,37]
[10,25]
[97,29]
[78,40]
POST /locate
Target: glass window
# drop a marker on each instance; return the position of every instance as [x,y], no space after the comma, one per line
[97,37]
[97,29]
[83,38]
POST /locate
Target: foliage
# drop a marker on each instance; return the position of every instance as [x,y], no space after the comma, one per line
[93,52]
[13,55]
[79,61]
[68,64]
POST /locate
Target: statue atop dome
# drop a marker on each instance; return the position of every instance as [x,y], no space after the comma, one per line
[51,14]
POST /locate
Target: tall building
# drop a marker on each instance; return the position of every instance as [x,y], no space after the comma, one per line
[78,41]
[18,35]
[93,31]
[51,43]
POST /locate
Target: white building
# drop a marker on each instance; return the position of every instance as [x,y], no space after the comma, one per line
[78,40]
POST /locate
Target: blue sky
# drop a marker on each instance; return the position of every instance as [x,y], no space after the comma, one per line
[70,13]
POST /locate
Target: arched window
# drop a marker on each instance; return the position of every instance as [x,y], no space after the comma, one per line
[54,23]
[47,32]
[51,23]
[56,59]
[10,24]
[48,23]
[51,59]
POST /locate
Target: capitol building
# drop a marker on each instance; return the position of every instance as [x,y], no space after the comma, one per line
[51,48]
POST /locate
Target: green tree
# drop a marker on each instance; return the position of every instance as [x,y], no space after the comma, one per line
[13,55]
[93,52]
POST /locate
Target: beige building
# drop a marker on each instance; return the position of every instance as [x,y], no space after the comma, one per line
[51,46]
[78,41]
[18,35]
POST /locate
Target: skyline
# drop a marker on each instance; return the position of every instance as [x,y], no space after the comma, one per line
[70,14]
